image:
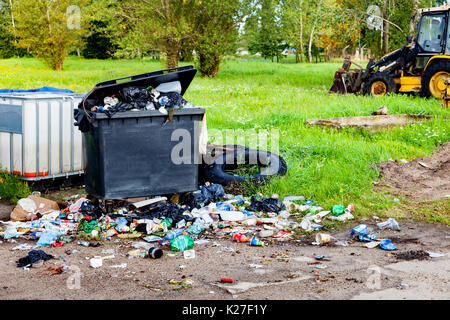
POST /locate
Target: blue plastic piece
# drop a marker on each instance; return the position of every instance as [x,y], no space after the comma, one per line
[43,89]
[386,244]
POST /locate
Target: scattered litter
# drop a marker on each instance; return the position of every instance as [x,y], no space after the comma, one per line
[341,243]
[96,262]
[423,164]
[203,241]
[155,253]
[391,223]
[23,246]
[119,266]
[33,257]
[256,242]
[189,254]
[403,286]
[371,244]
[321,257]
[386,244]
[323,238]
[51,271]
[137,253]
[435,254]
[344,217]
[256,266]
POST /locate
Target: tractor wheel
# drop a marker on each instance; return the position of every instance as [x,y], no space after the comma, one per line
[433,79]
[379,85]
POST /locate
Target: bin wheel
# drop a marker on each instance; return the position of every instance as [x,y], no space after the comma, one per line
[269,165]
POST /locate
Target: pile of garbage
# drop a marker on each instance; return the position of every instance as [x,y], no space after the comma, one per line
[164,97]
[172,224]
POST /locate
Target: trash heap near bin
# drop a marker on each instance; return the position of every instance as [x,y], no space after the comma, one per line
[162,221]
[164,225]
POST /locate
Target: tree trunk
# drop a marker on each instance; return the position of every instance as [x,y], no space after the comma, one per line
[412,24]
[12,20]
[311,36]
[172,54]
[209,64]
[301,38]
[386,27]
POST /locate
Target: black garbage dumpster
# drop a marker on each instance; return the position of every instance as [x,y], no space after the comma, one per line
[140,153]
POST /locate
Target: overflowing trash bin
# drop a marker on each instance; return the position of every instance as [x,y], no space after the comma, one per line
[140,135]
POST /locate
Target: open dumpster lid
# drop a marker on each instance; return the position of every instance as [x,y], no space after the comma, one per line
[184,75]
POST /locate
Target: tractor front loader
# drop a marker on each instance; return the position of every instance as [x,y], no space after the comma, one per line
[422,66]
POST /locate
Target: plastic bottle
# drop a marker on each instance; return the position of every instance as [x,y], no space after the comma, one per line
[181,243]
[338,210]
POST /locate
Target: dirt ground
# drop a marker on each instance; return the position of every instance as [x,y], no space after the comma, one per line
[5,210]
[280,270]
[425,178]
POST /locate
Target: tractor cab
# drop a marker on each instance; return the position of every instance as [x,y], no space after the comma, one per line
[433,33]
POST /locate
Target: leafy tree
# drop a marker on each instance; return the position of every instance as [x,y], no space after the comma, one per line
[265,30]
[7,47]
[215,31]
[98,44]
[294,21]
[142,25]
[49,29]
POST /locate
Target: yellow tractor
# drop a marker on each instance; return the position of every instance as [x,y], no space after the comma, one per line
[422,66]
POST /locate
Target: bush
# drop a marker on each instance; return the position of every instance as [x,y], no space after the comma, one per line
[12,188]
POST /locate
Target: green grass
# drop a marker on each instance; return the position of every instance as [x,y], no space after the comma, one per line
[327,165]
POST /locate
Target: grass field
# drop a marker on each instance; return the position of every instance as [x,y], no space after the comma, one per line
[329,166]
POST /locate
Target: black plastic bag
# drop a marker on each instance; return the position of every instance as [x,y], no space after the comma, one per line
[119,107]
[266,205]
[167,210]
[137,97]
[33,257]
[196,200]
[213,192]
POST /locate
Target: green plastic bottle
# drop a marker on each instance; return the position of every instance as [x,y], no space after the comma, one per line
[338,210]
[181,243]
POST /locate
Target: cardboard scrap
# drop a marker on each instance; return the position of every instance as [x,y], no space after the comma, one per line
[40,208]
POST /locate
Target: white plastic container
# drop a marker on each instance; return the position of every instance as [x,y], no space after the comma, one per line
[38,139]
